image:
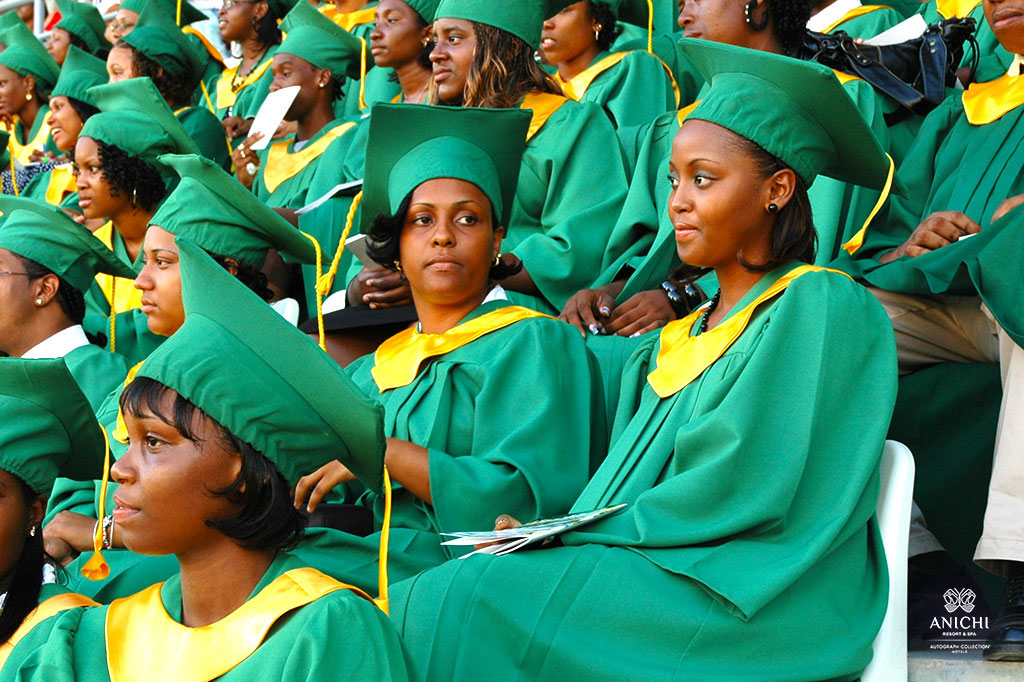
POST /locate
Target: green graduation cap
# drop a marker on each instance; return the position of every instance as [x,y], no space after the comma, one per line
[634,12]
[265,381]
[159,38]
[47,235]
[522,18]
[80,72]
[281,7]
[134,117]
[48,429]
[85,21]
[414,143]
[425,8]
[313,37]
[8,19]
[212,209]
[189,14]
[27,56]
[802,116]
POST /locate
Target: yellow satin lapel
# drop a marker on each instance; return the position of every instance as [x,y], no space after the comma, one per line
[120,433]
[125,295]
[988,102]
[398,359]
[62,183]
[956,8]
[853,14]
[226,96]
[23,152]
[145,643]
[282,164]
[49,607]
[543,105]
[845,78]
[349,20]
[686,111]
[682,357]
[577,86]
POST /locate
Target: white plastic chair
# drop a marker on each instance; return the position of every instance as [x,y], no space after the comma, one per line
[288,308]
[895,497]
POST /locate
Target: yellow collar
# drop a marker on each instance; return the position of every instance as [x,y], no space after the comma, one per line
[956,8]
[682,357]
[49,607]
[990,101]
[145,643]
[62,183]
[349,20]
[120,292]
[577,86]
[23,152]
[210,49]
[543,105]
[845,78]
[282,164]
[397,360]
[227,89]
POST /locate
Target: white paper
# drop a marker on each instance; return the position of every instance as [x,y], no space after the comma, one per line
[967,236]
[911,28]
[268,118]
[357,245]
[332,192]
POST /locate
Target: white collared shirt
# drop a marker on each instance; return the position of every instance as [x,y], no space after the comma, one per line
[1015,65]
[60,344]
[831,14]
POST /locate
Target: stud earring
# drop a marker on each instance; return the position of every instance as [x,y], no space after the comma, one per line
[597,32]
[323,85]
[773,208]
[28,97]
[497,260]
[39,301]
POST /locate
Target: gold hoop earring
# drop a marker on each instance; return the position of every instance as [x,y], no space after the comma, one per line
[398,266]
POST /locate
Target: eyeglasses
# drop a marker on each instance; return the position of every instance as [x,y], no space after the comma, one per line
[228,4]
[122,26]
[8,272]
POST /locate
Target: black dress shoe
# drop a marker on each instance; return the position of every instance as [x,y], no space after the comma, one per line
[1007,636]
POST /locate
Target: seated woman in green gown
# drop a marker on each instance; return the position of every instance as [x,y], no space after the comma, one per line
[158,50]
[81,25]
[473,394]
[572,181]
[48,430]
[71,105]
[400,42]
[54,261]
[27,74]
[218,434]
[119,180]
[632,87]
[748,549]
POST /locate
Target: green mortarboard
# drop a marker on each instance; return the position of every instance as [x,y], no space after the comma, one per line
[214,210]
[85,21]
[134,117]
[414,143]
[321,42]
[633,12]
[802,116]
[189,14]
[522,18]
[281,7]
[265,381]
[8,19]
[47,235]
[80,72]
[48,429]
[425,8]
[27,56]
[159,38]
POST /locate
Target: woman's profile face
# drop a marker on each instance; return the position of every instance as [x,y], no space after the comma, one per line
[120,65]
[65,123]
[123,24]
[160,283]
[448,243]
[452,56]
[568,34]
[164,499]
[397,38]
[16,300]
[722,21]
[57,46]
[14,89]
[97,197]
[15,521]
[717,205]
[236,22]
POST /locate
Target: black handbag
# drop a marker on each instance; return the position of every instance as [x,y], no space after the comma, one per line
[914,73]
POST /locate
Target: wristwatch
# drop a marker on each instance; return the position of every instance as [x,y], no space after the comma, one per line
[682,302]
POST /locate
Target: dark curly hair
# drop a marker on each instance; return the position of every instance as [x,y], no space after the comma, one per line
[266,518]
[610,29]
[71,300]
[84,110]
[177,89]
[384,233]
[130,174]
[267,31]
[789,18]
[248,274]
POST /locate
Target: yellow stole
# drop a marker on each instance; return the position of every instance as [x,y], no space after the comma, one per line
[682,357]
[23,152]
[62,183]
[543,105]
[845,78]
[577,86]
[226,94]
[120,433]
[120,292]
[397,360]
[349,20]
[282,164]
[686,111]
[956,8]
[145,643]
[988,102]
[49,607]
[210,49]
[853,14]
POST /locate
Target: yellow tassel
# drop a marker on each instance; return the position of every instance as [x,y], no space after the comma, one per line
[650,26]
[177,16]
[362,74]
[14,178]
[858,239]
[319,298]
[382,571]
[97,568]
[326,281]
[113,311]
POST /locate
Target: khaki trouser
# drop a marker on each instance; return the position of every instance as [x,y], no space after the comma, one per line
[932,329]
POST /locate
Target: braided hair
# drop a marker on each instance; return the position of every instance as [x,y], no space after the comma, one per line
[789,17]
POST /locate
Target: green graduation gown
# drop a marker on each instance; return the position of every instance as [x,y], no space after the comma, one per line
[251,90]
[749,550]
[337,636]
[869,25]
[96,371]
[206,131]
[51,185]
